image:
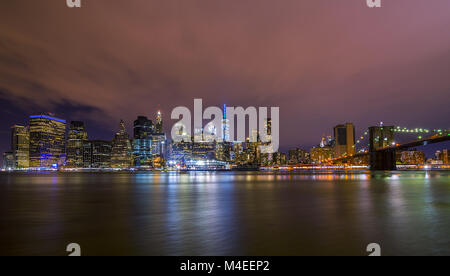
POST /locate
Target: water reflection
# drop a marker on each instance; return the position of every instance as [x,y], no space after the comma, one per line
[225,213]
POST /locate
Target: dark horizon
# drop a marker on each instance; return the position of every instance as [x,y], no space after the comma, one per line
[322,63]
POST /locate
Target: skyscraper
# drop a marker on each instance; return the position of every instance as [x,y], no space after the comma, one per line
[159,123]
[345,140]
[121,152]
[97,154]
[47,141]
[20,146]
[76,137]
[267,137]
[159,146]
[446,157]
[225,125]
[143,128]
[142,143]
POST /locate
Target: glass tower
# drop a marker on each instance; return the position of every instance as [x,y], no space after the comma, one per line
[142,143]
[47,141]
[76,137]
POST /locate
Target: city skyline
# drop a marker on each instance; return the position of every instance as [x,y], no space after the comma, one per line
[313,62]
[48,141]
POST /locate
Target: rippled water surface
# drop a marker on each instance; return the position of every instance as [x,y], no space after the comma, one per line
[225,213]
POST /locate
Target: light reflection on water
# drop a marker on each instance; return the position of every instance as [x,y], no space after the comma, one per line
[225,213]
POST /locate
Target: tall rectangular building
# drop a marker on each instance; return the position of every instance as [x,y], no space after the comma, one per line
[47,141]
[76,137]
[142,142]
[97,154]
[446,157]
[159,145]
[345,140]
[20,146]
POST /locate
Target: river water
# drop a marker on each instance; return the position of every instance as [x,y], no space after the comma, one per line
[225,213]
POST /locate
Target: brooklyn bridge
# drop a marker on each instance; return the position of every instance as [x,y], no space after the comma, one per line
[381,149]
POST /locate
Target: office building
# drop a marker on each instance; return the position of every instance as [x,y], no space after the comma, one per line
[223,151]
[204,150]
[446,157]
[298,156]
[76,136]
[345,140]
[47,141]
[159,123]
[322,154]
[121,152]
[159,145]
[97,154]
[20,146]
[142,143]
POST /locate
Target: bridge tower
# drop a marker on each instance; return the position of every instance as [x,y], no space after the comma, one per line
[381,156]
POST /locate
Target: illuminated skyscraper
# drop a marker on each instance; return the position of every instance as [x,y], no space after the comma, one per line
[121,152]
[226,126]
[267,137]
[159,145]
[97,154]
[47,141]
[142,143]
[345,140]
[159,123]
[446,157]
[20,146]
[75,138]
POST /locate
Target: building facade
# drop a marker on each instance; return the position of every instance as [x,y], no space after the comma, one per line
[159,123]
[47,141]
[298,156]
[413,157]
[446,157]
[20,146]
[344,136]
[143,141]
[322,154]
[76,137]
[121,152]
[97,154]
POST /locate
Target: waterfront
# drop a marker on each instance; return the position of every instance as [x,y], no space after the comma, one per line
[225,213]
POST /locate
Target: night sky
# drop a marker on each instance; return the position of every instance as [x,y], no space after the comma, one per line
[323,62]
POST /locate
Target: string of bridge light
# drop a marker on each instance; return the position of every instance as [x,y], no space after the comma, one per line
[419,130]
[439,132]
[362,138]
[399,129]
